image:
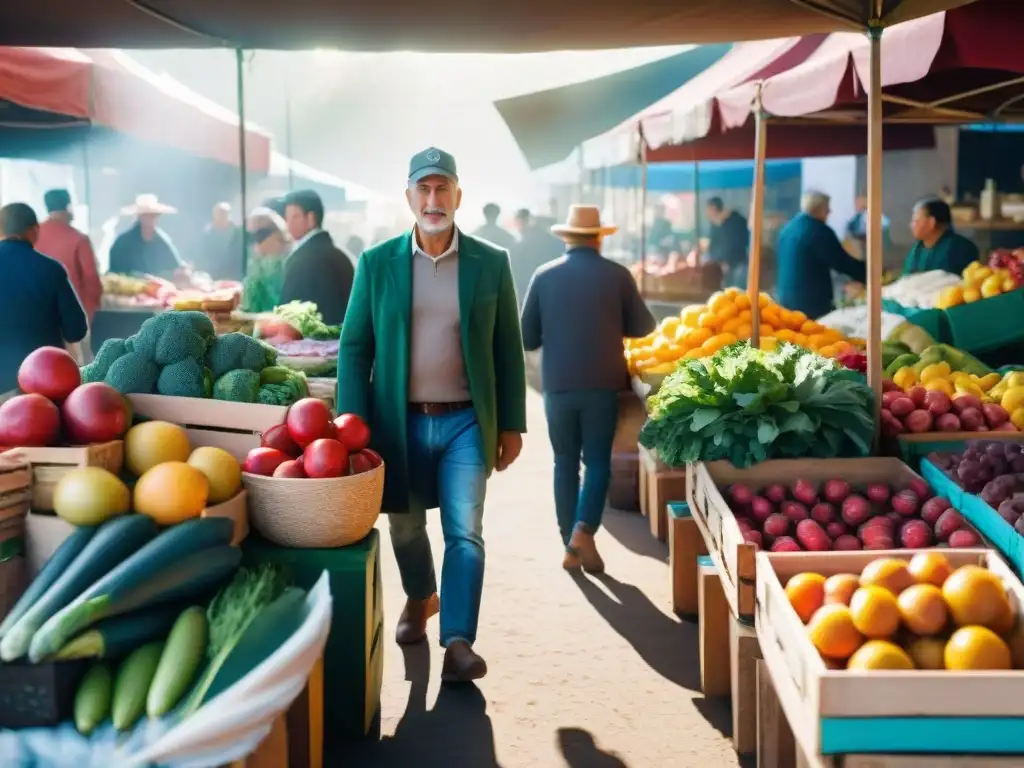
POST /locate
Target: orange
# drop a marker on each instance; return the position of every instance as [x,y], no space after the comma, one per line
[744,331]
[1006,622]
[745,315]
[798,318]
[742,302]
[975,648]
[975,595]
[876,614]
[806,593]
[668,353]
[694,353]
[879,654]
[930,568]
[708,320]
[928,652]
[691,315]
[840,588]
[724,339]
[764,300]
[923,609]
[698,336]
[171,493]
[1016,642]
[768,343]
[730,325]
[718,301]
[887,572]
[810,326]
[833,633]
[668,325]
[727,311]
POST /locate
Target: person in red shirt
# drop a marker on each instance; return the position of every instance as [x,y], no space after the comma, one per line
[62,242]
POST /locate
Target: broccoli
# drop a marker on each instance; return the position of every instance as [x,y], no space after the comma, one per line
[238,386]
[109,351]
[282,386]
[201,324]
[185,378]
[132,373]
[236,350]
[169,338]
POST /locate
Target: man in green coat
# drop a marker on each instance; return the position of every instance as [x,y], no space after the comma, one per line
[431,357]
[937,246]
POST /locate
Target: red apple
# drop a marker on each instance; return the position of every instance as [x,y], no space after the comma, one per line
[325,458]
[352,432]
[94,413]
[277,437]
[29,421]
[51,372]
[263,461]
[307,420]
[291,469]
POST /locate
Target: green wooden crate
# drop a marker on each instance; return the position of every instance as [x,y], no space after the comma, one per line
[932,321]
[987,324]
[354,656]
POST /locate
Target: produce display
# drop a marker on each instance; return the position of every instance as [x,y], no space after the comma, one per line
[700,331]
[57,409]
[804,517]
[310,445]
[747,405]
[992,468]
[179,354]
[188,290]
[302,340]
[1003,273]
[922,290]
[899,615]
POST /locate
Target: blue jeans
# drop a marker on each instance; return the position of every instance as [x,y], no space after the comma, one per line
[446,469]
[581,424]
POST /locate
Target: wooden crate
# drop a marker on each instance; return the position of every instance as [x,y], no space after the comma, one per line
[713,628]
[659,485]
[49,465]
[685,545]
[833,712]
[734,557]
[744,654]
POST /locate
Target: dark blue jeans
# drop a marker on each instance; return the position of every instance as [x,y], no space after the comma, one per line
[446,470]
[581,425]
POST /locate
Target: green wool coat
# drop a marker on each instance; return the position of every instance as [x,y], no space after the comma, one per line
[373,357]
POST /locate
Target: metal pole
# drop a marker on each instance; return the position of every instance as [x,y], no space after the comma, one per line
[874,240]
[696,210]
[757,219]
[288,133]
[643,215]
[243,170]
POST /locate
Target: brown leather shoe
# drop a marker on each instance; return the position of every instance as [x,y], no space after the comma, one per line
[582,543]
[412,624]
[462,664]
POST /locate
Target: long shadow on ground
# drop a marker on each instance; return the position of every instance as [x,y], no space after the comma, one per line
[633,531]
[580,750]
[667,645]
[456,733]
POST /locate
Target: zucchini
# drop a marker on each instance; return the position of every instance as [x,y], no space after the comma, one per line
[113,542]
[167,569]
[132,685]
[115,637]
[50,572]
[183,653]
[92,700]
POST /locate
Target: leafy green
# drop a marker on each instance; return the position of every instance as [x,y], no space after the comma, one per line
[306,318]
[746,405]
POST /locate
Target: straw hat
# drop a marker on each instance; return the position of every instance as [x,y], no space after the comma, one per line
[584,220]
[147,204]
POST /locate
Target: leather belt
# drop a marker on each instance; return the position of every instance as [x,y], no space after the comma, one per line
[439,409]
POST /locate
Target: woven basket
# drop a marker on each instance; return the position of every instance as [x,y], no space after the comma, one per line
[307,513]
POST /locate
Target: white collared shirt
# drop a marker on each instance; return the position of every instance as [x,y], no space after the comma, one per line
[452,248]
[306,238]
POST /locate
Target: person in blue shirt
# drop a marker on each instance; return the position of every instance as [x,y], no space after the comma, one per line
[730,237]
[937,246]
[808,252]
[38,305]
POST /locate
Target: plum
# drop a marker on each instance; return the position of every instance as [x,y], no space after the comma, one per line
[888,385]
[740,494]
[932,509]
[916,534]
[824,513]
[895,518]
[836,529]
[900,407]
[888,397]
[794,510]
[972,419]
[845,543]
[920,487]
[881,543]
[776,493]
[871,533]
[964,538]
[878,493]
[745,525]
[998,490]
[1017,465]
[856,510]
[1019,525]
[776,525]
[949,521]
[761,509]
[962,403]
[1010,511]
[805,492]
[754,537]
[937,402]
[917,394]
[836,491]
[995,415]
[1006,426]
[785,544]
[812,537]
[918,421]
[948,422]
[906,503]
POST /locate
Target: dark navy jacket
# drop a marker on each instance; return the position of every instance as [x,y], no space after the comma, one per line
[808,252]
[38,307]
[579,308]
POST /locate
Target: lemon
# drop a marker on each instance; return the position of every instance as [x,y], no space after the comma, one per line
[971,294]
[940,385]
[1017,418]
[905,378]
[934,371]
[989,380]
[1012,399]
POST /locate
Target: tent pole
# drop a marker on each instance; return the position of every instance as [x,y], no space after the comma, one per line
[696,209]
[874,240]
[243,174]
[757,219]
[643,215]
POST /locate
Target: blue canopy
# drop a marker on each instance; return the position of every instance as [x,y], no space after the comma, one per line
[679,177]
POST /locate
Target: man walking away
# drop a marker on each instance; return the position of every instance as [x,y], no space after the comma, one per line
[221,254]
[432,358]
[65,244]
[38,305]
[493,232]
[730,238]
[579,308]
[317,270]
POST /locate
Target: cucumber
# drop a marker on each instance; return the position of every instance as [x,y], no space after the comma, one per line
[115,637]
[115,540]
[183,653]
[132,685]
[50,572]
[92,701]
[169,568]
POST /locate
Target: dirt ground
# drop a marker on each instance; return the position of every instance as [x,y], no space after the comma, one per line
[584,672]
